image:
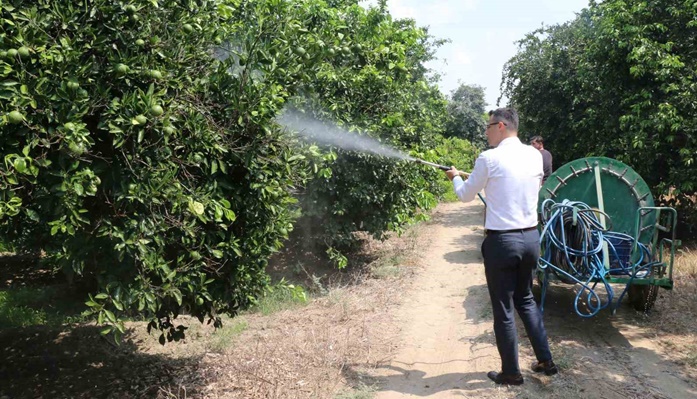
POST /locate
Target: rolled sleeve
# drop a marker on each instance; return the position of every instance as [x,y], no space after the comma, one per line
[466,190]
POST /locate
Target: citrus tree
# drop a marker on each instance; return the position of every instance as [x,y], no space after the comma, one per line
[141,153]
[618,81]
[374,83]
[466,107]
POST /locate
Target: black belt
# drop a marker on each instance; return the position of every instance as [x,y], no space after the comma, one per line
[510,231]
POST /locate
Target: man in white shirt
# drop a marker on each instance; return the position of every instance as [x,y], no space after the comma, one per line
[510,174]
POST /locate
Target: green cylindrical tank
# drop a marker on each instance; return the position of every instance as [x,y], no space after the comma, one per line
[622,191]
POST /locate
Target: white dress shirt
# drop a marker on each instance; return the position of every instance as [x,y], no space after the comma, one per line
[510,174]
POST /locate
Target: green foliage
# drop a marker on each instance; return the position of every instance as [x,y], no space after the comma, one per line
[141,154]
[466,106]
[617,81]
[377,87]
[152,171]
[455,152]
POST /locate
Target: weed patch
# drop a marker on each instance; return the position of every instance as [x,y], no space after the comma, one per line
[280,297]
[360,392]
[29,306]
[225,336]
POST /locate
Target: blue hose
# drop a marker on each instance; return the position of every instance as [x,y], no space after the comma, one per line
[572,240]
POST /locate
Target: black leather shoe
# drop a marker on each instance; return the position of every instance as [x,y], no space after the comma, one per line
[548,367]
[503,379]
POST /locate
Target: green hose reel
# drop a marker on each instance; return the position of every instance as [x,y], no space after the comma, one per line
[617,190]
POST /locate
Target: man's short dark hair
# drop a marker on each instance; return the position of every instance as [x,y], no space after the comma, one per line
[537,139]
[509,116]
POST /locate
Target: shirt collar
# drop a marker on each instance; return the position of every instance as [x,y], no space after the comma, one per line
[509,141]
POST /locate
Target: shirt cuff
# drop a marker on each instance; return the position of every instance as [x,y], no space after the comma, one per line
[455,179]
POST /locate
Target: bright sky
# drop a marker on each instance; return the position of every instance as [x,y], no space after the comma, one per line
[482,34]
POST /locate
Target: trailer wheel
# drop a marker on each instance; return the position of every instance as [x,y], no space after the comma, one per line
[642,297]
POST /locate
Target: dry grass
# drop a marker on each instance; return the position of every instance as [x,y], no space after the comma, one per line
[305,352]
[675,314]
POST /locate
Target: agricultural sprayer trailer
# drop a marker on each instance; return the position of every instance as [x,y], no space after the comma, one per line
[601,231]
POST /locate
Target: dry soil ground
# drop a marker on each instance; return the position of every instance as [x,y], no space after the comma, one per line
[447,345]
[417,323]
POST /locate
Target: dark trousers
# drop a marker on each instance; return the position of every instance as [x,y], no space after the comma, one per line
[509,260]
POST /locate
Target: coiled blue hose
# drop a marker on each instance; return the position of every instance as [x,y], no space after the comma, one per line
[572,240]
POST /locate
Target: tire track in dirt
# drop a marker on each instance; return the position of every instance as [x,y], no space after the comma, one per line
[615,355]
[447,344]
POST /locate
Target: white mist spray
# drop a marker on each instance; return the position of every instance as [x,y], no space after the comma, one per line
[330,134]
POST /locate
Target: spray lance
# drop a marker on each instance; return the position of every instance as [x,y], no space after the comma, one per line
[441,167]
[444,168]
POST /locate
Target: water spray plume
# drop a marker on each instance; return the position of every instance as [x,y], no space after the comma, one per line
[330,134]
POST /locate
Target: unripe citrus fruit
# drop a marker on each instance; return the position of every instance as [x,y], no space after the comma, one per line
[12,53]
[122,69]
[141,119]
[140,42]
[187,28]
[15,117]
[156,110]
[23,52]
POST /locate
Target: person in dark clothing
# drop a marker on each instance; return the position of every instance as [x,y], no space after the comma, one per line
[510,174]
[539,143]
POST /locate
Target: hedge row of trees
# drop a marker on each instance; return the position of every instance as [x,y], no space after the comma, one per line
[141,151]
[617,81]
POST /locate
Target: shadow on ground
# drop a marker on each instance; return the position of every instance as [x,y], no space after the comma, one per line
[80,363]
[412,381]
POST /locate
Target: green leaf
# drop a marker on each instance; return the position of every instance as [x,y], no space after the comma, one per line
[178,296]
[20,165]
[109,315]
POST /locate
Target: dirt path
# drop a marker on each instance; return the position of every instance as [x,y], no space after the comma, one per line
[447,344]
